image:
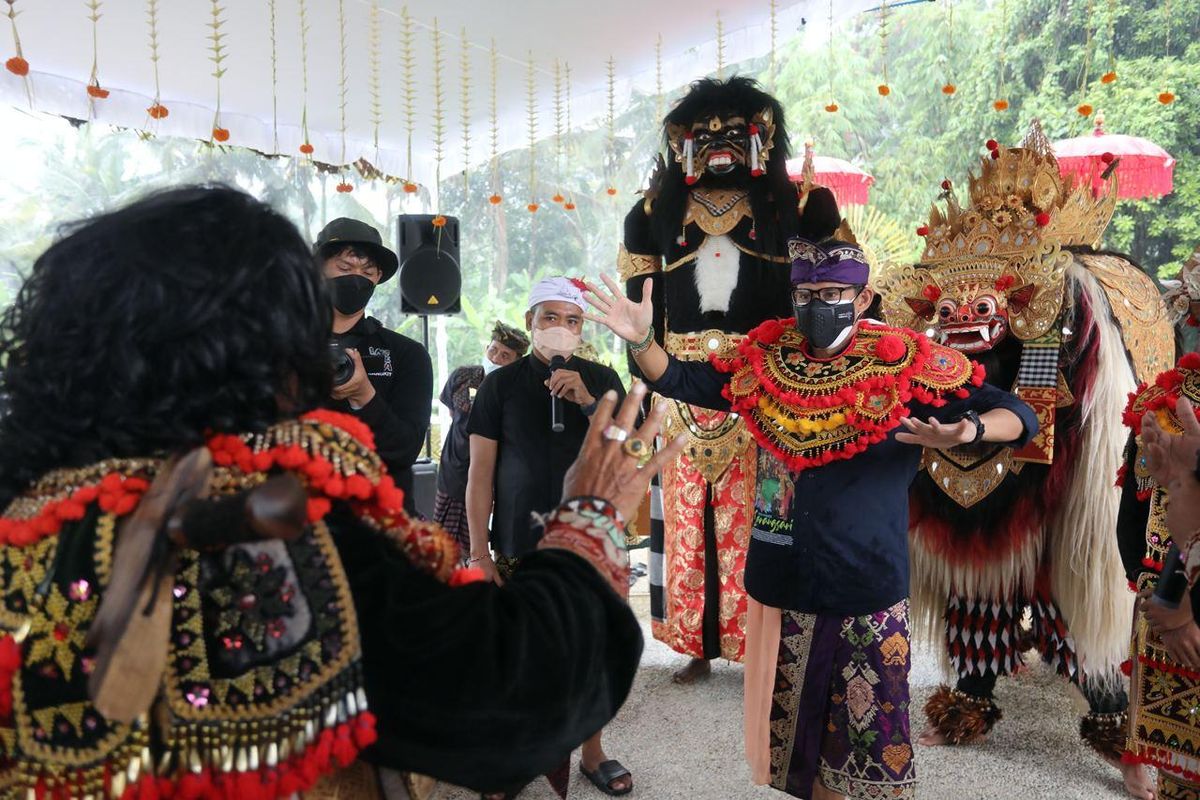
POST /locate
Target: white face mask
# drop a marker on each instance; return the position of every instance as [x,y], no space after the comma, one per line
[488,365]
[556,341]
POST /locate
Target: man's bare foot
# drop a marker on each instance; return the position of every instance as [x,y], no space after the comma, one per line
[1138,779]
[696,669]
[932,737]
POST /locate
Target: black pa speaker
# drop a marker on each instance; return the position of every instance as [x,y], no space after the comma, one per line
[430,280]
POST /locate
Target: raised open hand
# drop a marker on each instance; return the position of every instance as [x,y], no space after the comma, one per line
[627,319]
[1171,458]
[938,435]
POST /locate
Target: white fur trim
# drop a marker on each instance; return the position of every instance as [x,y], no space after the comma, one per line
[716,275]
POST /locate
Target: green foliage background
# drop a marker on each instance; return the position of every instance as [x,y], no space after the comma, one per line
[909,141]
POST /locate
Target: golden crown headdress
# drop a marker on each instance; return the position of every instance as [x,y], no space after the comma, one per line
[1021,215]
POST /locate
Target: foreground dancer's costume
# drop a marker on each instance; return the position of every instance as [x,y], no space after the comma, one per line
[827,651]
[263,648]
[1014,280]
[1163,731]
[712,232]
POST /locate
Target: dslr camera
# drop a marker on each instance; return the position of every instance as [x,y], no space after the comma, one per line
[343,364]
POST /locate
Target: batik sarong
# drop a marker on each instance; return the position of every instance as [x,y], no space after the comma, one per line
[451,514]
[836,706]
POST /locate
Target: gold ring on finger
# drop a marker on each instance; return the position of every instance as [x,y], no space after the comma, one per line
[638,449]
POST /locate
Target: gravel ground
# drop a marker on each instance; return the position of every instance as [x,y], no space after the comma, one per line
[686,742]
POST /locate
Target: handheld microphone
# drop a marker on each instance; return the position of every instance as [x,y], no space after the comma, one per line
[556,411]
[1172,583]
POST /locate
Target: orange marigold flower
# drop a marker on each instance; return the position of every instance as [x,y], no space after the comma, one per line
[94,90]
[949,88]
[17,66]
[345,188]
[158,111]
[439,221]
[1166,98]
[532,207]
[569,206]
[1084,109]
[884,89]
[832,108]
[306,148]
[1000,105]
[558,198]
[1108,77]
[410,187]
[611,191]
[495,199]
[220,134]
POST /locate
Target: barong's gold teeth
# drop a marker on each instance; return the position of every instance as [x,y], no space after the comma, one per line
[1021,214]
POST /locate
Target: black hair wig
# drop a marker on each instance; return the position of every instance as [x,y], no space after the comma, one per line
[193,311]
[773,196]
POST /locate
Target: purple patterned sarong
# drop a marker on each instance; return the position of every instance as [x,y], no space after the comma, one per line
[839,711]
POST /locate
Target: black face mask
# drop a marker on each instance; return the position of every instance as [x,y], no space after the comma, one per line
[351,293]
[822,323]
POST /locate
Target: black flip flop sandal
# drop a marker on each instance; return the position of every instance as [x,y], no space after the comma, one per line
[605,774]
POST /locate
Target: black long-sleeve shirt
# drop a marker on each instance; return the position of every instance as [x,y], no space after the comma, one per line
[486,686]
[398,414]
[846,552]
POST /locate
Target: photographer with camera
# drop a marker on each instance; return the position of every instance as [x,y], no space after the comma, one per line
[383,378]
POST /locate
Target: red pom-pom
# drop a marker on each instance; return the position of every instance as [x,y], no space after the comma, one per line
[995,154]
[1005,282]
[1043,219]
[890,348]
[1190,361]
[344,750]
[992,144]
[1127,666]
[317,508]
[1107,158]
[923,230]
[465,575]
[690,180]
[931,293]
[946,185]
[753,129]
[364,730]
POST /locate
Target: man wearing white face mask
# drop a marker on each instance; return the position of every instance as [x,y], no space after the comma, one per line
[450,511]
[518,462]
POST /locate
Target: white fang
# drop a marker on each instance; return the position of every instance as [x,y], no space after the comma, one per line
[716,272]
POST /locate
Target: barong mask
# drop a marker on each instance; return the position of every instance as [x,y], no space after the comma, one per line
[827,323]
[998,267]
[723,144]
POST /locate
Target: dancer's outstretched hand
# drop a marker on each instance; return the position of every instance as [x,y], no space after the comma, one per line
[1172,458]
[610,465]
[627,319]
[938,435]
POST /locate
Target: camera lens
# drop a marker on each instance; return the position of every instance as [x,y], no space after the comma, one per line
[343,365]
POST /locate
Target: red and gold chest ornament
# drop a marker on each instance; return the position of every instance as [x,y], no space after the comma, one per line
[809,412]
[262,693]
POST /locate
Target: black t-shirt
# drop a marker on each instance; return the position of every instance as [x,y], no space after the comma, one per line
[512,407]
[398,415]
[457,395]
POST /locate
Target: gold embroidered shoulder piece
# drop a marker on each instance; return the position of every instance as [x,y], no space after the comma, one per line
[809,411]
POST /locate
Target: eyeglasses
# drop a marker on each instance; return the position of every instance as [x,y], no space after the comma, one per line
[830,294]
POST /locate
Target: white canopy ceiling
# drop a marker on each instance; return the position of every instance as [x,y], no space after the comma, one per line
[57,41]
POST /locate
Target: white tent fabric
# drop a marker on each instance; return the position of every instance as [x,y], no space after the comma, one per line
[56,36]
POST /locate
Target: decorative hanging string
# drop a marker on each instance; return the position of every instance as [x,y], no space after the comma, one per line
[948,88]
[569,205]
[94,90]
[884,88]
[217,38]
[1001,102]
[439,117]
[558,131]
[465,96]
[774,36]
[493,112]
[274,80]
[720,46]
[612,124]
[17,65]
[343,88]
[531,109]
[832,105]
[1111,75]
[1084,109]
[306,148]
[408,64]
[1166,96]
[659,97]
[156,110]
[375,80]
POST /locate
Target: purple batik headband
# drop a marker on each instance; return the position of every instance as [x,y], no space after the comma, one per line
[829,262]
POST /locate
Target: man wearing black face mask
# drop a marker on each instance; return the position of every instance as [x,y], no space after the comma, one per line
[391,388]
[836,404]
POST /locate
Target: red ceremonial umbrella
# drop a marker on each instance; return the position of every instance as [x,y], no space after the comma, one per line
[848,183]
[1143,168]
